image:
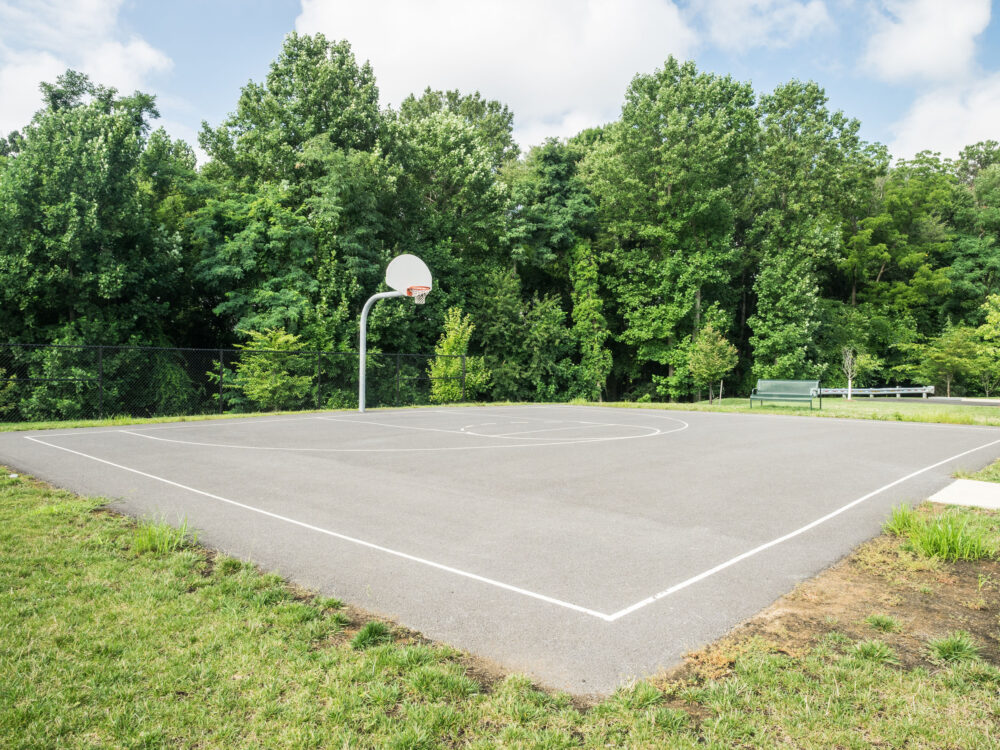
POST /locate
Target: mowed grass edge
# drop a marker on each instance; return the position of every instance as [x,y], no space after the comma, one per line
[108,642]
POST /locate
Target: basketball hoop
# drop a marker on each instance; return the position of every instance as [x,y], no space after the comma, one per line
[419,293]
[407,276]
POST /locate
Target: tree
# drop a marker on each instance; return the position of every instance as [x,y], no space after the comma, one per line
[590,329]
[492,119]
[268,372]
[950,356]
[81,255]
[710,359]
[811,172]
[453,373]
[668,178]
[988,347]
[314,88]
[552,213]
[856,365]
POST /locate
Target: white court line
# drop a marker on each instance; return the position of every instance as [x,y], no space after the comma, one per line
[500,446]
[386,424]
[344,537]
[551,600]
[576,426]
[750,553]
[213,422]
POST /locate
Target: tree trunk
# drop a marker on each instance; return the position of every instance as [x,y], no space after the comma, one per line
[849,382]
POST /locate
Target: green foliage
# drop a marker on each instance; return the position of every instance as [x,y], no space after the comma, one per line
[949,357]
[669,182]
[268,372]
[526,344]
[81,256]
[590,329]
[711,358]
[8,394]
[314,88]
[590,266]
[452,363]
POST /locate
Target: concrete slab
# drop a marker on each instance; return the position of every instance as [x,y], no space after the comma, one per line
[583,546]
[970,492]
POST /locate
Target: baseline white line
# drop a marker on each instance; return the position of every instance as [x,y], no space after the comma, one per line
[343,537]
[750,553]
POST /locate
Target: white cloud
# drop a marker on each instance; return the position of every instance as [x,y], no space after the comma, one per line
[561,65]
[740,25]
[40,39]
[950,118]
[926,39]
[20,74]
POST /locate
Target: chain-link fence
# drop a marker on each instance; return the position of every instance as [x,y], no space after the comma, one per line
[60,382]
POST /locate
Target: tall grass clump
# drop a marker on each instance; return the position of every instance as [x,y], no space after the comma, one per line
[953,535]
[955,647]
[161,538]
[901,521]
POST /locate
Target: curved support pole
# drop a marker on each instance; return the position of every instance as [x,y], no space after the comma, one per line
[364,341]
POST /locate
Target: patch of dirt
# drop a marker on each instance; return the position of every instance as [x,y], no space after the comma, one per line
[928,598]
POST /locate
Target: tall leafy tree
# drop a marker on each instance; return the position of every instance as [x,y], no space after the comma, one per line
[589,325]
[668,178]
[81,255]
[552,212]
[492,120]
[314,88]
[806,183]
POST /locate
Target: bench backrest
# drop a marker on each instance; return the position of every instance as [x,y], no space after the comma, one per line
[790,387]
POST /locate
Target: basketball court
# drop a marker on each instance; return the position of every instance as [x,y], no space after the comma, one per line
[581,545]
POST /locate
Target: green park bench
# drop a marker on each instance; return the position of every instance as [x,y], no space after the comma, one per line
[786,390]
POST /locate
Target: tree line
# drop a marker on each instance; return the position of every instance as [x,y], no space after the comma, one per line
[708,224]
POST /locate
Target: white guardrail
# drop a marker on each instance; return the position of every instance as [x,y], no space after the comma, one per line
[923,391]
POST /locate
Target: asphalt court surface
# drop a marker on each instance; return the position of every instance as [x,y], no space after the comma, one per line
[582,545]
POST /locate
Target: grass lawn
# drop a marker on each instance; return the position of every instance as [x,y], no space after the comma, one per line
[990,474]
[893,410]
[114,634]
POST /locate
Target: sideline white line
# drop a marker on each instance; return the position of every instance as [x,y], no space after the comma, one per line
[750,553]
[343,537]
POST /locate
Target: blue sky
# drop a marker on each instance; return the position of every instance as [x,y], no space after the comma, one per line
[916,73]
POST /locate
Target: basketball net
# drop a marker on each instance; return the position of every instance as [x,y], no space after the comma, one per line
[419,293]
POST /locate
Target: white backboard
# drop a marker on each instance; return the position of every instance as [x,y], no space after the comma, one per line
[405,271]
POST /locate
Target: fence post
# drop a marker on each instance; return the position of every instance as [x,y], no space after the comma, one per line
[317,379]
[100,380]
[222,373]
[463,378]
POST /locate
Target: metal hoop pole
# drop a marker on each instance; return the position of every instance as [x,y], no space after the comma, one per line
[364,341]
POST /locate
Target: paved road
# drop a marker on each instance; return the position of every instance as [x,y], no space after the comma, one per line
[581,545]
